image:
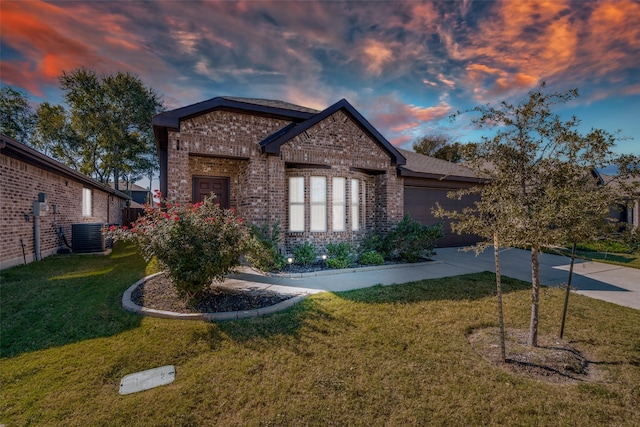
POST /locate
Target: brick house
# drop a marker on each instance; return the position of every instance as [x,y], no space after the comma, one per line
[140,196]
[326,176]
[71,198]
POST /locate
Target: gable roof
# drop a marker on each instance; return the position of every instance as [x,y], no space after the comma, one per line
[273,104]
[13,148]
[421,166]
[273,143]
[273,108]
[122,185]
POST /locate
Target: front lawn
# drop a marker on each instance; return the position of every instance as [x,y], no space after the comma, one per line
[394,355]
[609,253]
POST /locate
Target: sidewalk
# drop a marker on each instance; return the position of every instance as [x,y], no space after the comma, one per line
[619,285]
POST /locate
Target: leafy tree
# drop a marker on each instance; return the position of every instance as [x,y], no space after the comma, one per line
[430,144]
[17,119]
[541,191]
[111,118]
[448,152]
[442,147]
[55,137]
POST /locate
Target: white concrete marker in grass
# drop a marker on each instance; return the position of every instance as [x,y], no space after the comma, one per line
[145,380]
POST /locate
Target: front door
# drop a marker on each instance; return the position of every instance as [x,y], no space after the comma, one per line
[203,186]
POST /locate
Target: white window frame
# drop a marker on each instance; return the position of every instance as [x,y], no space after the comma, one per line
[318,203]
[363,210]
[296,204]
[87,202]
[355,204]
[338,205]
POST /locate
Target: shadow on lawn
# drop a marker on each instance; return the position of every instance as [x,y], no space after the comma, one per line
[259,333]
[458,288]
[65,299]
[320,316]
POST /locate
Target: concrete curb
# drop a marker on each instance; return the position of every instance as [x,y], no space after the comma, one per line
[349,270]
[131,307]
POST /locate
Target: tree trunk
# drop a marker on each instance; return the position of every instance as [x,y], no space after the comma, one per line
[566,295]
[535,297]
[496,253]
[116,179]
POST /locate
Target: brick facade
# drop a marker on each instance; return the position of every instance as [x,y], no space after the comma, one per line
[22,181]
[225,143]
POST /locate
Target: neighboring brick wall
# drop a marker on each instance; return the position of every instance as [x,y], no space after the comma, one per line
[21,183]
[223,143]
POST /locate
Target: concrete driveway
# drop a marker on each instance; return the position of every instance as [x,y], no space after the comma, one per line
[616,284]
[619,285]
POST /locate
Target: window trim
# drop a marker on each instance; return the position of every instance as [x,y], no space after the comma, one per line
[338,203]
[317,200]
[87,202]
[355,204]
[296,203]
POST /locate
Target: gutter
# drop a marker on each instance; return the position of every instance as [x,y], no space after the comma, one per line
[11,147]
[440,177]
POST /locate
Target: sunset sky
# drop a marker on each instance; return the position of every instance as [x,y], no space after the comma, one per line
[406,66]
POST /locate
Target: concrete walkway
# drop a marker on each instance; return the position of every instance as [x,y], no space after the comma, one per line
[619,285]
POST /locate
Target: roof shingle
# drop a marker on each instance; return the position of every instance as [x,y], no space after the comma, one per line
[420,163]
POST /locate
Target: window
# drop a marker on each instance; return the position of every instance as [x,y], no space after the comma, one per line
[318,203]
[363,212]
[338,205]
[355,205]
[86,202]
[296,203]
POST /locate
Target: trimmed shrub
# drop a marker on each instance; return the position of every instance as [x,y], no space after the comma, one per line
[374,242]
[411,240]
[371,258]
[196,243]
[337,263]
[263,252]
[304,254]
[339,255]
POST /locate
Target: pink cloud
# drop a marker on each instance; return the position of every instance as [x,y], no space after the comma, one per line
[401,140]
[376,56]
[401,122]
[523,43]
[46,49]
[51,40]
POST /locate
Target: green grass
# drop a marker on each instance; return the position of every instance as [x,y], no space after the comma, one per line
[393,355]
[612,253]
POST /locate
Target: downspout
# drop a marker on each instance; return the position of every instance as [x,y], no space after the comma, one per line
[36,230]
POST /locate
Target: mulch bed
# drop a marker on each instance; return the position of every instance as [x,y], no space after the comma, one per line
[322,266]
[160,294]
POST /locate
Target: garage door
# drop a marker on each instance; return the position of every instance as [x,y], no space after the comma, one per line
[419,202]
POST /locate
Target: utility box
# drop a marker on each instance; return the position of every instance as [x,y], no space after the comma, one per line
[40,208]
[87,237]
